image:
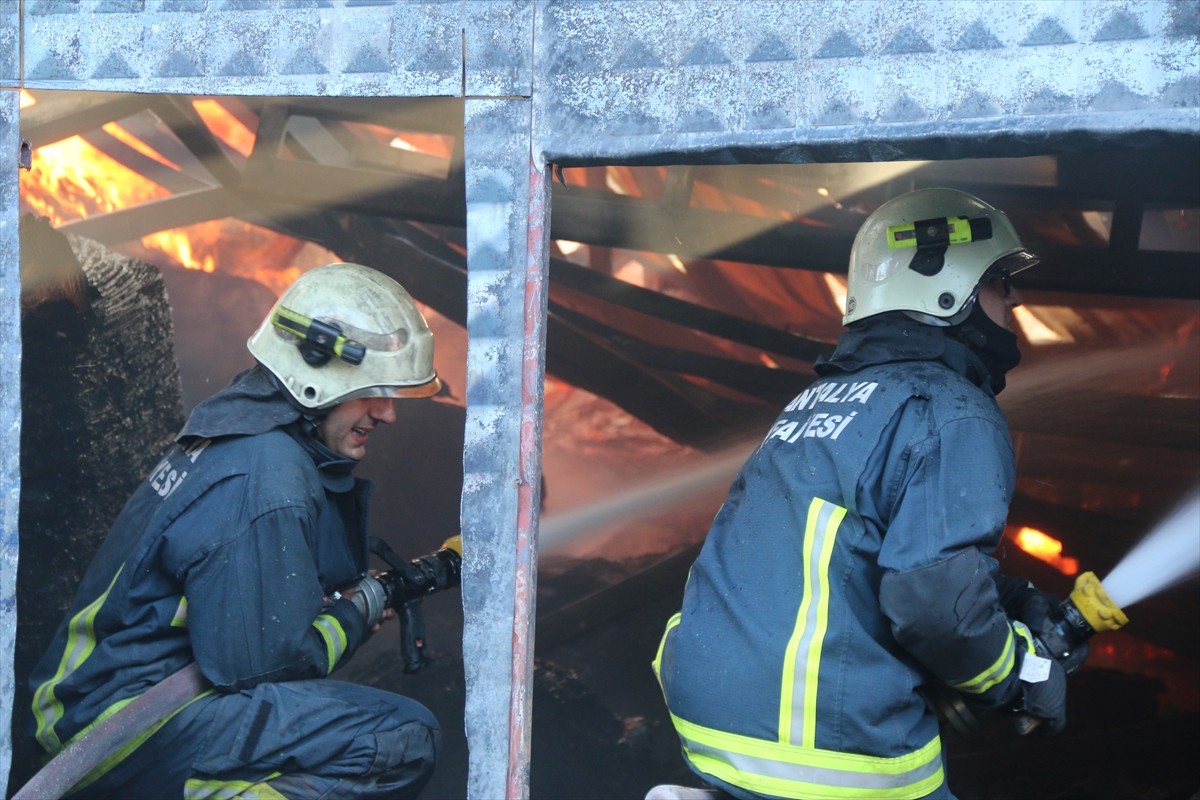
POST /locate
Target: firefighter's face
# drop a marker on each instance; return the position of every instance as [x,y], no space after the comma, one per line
[346,428]
[997,299]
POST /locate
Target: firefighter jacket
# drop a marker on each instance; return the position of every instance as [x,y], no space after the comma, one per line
[849,566]
[228,554]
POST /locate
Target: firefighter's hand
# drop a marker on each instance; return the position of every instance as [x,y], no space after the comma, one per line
[388,613]
[1037,611]
[1046,701]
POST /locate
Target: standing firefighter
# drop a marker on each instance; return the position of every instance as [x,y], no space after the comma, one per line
[231,555]
[850,565]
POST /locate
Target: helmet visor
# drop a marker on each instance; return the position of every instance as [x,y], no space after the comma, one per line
[1004,268]
[1010,264]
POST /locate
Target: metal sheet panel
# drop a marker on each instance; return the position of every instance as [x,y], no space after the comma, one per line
[10,43]
[10,414]
[769,81]
[498,49]
[281,47]
[507,256]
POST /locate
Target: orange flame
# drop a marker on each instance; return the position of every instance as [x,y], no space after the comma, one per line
[120,134]
[226,126]
[72,180]
[1046,548]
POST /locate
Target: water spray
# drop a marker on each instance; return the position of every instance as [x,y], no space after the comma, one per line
[1169,554]
[661,493]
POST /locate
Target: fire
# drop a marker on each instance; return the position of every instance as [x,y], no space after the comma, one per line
[176,244]
[71,180]
[226,126]
[117,132]
[1045,548]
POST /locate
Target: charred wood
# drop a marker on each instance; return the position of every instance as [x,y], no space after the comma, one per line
[100,401]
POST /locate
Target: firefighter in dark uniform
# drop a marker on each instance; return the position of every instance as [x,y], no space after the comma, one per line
[850,565]
[240,553]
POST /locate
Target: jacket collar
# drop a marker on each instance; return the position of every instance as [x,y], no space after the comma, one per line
[893,338]
[336,471]
[252,404]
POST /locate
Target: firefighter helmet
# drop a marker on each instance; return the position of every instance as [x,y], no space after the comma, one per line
[343,331]
[927,253]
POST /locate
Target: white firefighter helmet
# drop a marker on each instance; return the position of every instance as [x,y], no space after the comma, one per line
[344,331]
[927,253]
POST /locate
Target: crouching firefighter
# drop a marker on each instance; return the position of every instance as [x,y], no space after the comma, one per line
[242,560]
[851,563]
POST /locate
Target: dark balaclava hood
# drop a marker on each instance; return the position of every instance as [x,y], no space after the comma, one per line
[995,345]
[893,337]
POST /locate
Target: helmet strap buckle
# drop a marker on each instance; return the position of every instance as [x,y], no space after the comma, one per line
[928,261]
[313,354]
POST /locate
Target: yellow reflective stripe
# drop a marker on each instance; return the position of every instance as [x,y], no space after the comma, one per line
[802,657]
[262,791]
[101,769]
[1023,631]
[180,620]
[785,770]
[997,671]
[671,624]
[335,638]
[197,789]
[81,641]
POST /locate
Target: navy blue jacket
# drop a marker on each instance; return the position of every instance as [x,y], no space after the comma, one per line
[849,566]
[227,555]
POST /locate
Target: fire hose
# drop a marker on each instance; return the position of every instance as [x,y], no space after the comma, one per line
[402,587]
[1088,610]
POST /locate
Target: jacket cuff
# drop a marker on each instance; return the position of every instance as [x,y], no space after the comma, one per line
[342,629]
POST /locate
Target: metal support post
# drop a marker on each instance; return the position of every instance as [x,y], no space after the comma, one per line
[507,224]
[10,414]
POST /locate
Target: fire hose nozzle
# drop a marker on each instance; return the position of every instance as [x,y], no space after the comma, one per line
[1088,610]
[1092,601]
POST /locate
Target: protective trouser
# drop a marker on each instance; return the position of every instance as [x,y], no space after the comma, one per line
[299,740]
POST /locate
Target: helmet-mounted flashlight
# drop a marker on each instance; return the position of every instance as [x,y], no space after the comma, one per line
[931,238]
[319,340]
